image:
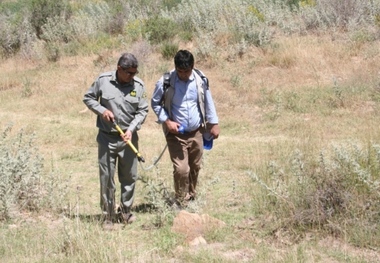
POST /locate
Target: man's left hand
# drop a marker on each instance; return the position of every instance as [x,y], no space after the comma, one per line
[214,130]
[127,136]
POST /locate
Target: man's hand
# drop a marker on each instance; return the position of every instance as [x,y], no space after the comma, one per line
[172,126]
[214,130]
[127,136]
[108,116]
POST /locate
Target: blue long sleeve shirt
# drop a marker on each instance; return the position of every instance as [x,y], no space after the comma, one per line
[184,105]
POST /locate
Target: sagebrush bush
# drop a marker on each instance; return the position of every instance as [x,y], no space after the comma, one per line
[234,18]
[329,193]
[90,20]
[24,186]
[20,172]
[219,22]
[42,10]
[57,30]
[339,13]
[9,38]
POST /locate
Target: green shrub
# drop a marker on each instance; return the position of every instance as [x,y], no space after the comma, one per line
[333,193]
[90,21]
[52,51]
[252,9]
[20,174]
[159,29]
[57,30]
[119,14]
[9,37]
[168,50]
[307,3]
[253,22]
[23,184]
[42,10]
[133,30]
[339,13]
[170,4]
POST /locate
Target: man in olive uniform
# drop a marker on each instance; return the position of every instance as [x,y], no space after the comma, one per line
[118,97]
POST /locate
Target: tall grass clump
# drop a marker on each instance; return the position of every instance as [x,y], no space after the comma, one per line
[168,50]
[157,200]
[336,193]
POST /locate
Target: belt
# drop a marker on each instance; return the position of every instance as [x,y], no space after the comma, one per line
[192,132]
[111,133]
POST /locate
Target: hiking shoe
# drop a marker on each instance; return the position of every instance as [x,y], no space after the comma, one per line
[128,218]
[189,197]
[108,225]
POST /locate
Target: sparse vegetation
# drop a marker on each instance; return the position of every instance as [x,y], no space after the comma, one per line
[23,188]
[331,194]
[20,176]
[254,22]
[294,174]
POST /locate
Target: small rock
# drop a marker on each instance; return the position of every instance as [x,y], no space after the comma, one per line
[198,241]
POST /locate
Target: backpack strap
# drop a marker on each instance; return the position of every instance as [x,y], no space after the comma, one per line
[166,80]
[204,78]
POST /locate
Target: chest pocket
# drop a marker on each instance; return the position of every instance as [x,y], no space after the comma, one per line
[132,101]
[107,100]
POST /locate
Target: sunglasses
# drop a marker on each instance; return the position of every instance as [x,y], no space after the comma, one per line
[129,72]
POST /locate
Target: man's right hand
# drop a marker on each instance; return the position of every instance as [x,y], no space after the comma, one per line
[172,126]
[108,116]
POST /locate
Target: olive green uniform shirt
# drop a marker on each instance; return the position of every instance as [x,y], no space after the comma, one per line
[126,101]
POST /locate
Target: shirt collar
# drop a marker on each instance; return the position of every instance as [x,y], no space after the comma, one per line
[191,78]
[114,80]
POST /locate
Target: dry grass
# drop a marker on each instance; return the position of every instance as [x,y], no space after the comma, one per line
[260,121]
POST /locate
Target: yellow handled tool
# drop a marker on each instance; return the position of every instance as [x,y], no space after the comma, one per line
[139,157]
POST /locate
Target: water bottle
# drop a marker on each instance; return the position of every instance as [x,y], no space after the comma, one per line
[181,129]
[207,141]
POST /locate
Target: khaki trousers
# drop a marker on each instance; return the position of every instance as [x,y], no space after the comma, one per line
[186,152]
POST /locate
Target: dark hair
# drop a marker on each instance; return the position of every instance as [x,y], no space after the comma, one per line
[184,59]
[128,60]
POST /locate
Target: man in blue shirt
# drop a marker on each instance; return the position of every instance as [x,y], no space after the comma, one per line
[185,108]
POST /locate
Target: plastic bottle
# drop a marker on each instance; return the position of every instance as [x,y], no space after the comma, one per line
[181,129]
[207,141]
